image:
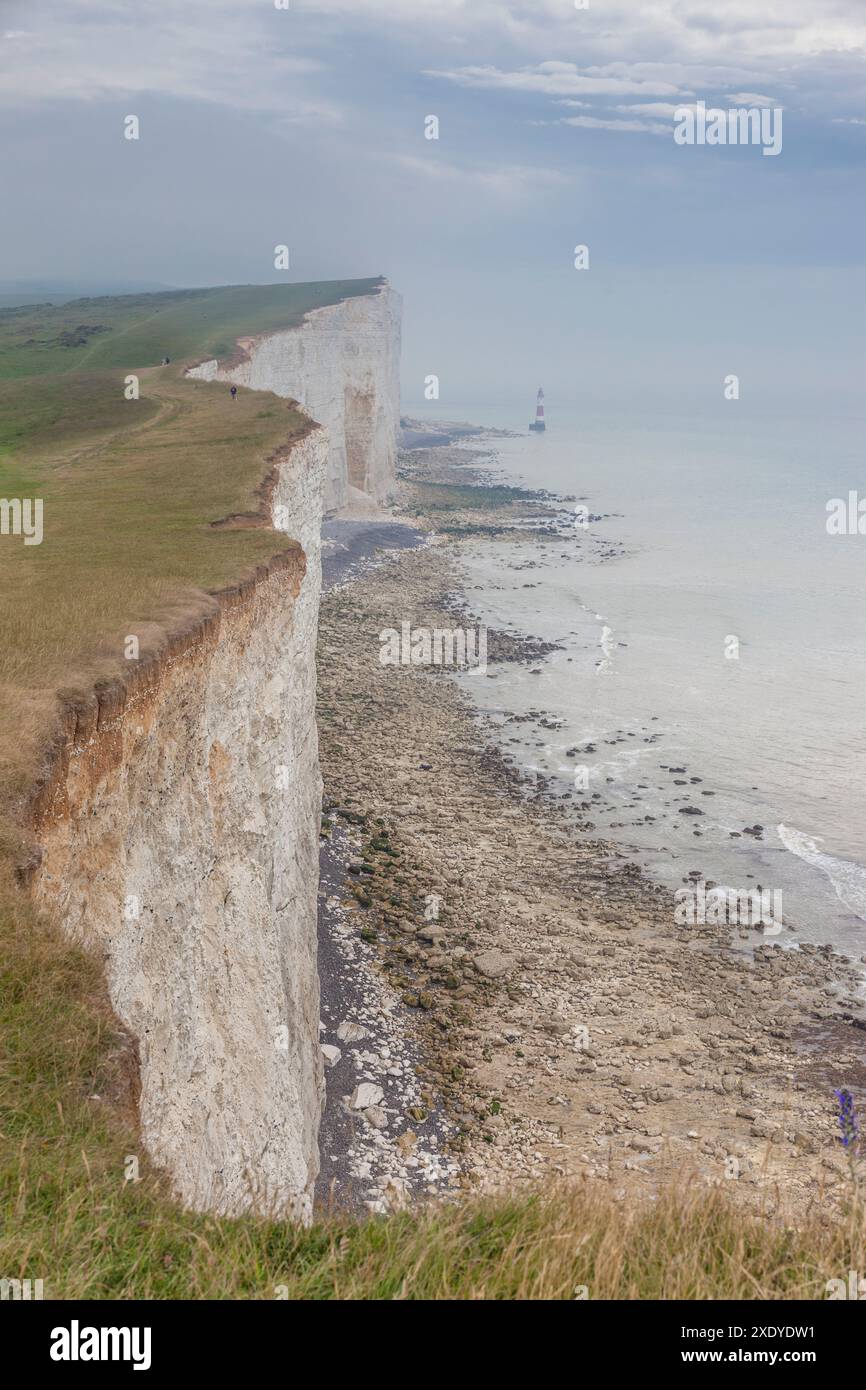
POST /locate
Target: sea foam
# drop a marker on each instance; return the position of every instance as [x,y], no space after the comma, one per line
[847,878]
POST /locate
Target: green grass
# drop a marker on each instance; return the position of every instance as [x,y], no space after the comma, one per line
[130,488]
[125,332]
[67,1128]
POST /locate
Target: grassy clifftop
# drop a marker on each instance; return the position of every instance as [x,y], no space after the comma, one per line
[138,330]
[128,490]
[128,487]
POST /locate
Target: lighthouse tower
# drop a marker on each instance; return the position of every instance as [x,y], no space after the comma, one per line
[538,423]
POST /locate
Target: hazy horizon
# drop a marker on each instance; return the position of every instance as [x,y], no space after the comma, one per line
[306,127]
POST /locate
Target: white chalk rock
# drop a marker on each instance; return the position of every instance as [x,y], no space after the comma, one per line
[351,1032]
[365,1095]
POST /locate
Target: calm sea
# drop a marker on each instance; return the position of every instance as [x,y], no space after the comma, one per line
[728,638]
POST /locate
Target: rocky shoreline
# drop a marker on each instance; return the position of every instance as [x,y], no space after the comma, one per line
[547,1014]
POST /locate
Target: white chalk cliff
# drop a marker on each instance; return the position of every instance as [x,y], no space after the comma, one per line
[179,830]
[343,366]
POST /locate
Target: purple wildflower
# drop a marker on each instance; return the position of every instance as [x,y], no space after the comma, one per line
[848,1121]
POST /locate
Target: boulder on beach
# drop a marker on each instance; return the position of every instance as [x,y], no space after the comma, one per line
[493,963]
[365,1095]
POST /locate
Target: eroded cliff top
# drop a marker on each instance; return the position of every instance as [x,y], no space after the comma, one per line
[123,540]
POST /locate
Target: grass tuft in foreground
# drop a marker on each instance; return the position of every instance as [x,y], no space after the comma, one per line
[67,1130]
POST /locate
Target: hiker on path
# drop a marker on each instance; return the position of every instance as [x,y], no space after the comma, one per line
[234,392]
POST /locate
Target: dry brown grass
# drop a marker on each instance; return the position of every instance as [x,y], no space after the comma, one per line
[128,545]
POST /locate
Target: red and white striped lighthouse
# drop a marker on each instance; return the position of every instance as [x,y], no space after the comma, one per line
[538,423]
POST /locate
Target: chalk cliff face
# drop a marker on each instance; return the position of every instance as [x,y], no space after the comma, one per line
[179,838]
[342,364]
[178,829]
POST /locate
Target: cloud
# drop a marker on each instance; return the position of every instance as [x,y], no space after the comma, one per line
[246,55]
[557,79]
[504,180]
[778,26]
[96,50]
[602,123]
[652,108]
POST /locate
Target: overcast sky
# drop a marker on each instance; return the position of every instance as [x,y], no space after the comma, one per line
[260,126]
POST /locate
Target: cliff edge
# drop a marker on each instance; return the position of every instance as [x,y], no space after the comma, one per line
[342,364]
[175,830]
[179,839]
